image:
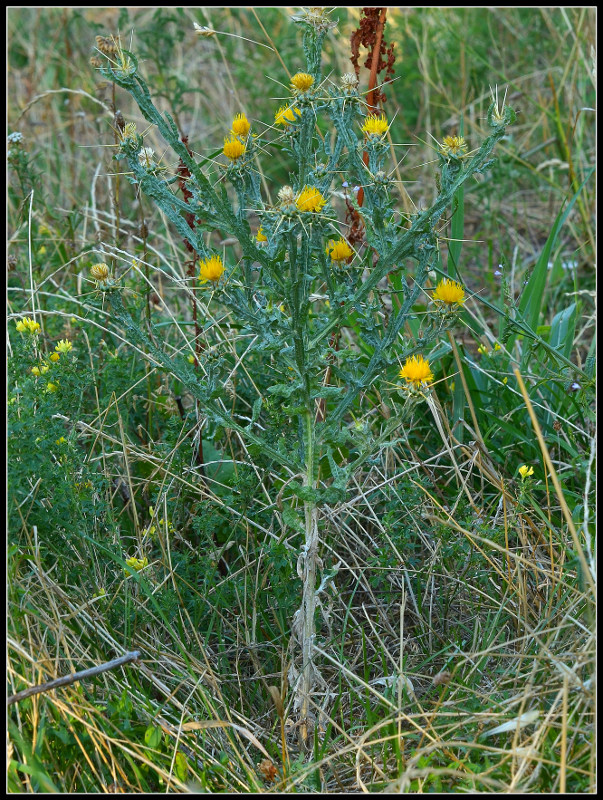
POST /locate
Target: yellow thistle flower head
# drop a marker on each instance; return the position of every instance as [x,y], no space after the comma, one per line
[453,146]
[260,237]
[27,325]
[240,125]
[449,294]
[286,115]
[302,81]
[310,199]
[416,371]
[63,346]
[233,148]
[99,272]
[375,125]
[525,471]
[339,250]
[211,269]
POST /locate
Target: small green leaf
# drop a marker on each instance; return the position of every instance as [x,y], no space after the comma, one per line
[152,737]
[181,766]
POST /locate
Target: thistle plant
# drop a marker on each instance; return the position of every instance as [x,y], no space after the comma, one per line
[299,287]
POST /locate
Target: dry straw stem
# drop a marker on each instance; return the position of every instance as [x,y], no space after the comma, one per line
[564,507]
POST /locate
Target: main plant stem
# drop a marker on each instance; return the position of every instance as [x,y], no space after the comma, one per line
[308,607]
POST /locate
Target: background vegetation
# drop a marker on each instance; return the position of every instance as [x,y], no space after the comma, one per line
[457,635]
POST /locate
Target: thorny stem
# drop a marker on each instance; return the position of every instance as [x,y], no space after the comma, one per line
[308,606]
[370,98]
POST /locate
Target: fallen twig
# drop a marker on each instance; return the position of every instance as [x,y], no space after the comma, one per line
[75,676]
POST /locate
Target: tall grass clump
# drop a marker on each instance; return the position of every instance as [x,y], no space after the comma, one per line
[301,453]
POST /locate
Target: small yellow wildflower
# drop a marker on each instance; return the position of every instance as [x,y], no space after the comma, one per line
[449,293]
[62,440]
[99,272]
[233,148]
[52,387]
[211,269]
[42,250]
[310,199]
[260,236]
[416,371]
[136,563]
[44,231]
[302,81]
[37,371]
[375,125]
[453,146]
[496,347]
[240,125]
[505,380]
[63,346]
[482,349]
[339,250]
[286,115]
[525,471]
[54,357]
[27,324]
[191,359]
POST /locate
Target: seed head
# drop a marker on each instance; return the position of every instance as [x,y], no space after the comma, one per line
[318,18]
[127,132]
[286,196]
[99,272]
[145,157]
[349,82]
[203,30]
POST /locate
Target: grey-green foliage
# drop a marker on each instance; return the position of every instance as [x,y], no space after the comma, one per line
[292,265]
